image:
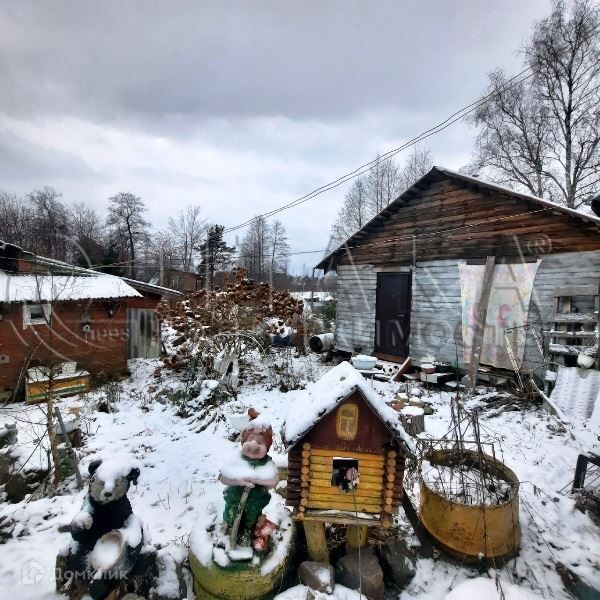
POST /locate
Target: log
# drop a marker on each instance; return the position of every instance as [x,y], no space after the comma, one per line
[345,506]
[328,460]
[366,470]
[316,541]
[326,476]
[413,420]
[356,536]
[346,454]
[363,485]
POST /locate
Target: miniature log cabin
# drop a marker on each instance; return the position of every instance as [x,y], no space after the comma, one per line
[345,427]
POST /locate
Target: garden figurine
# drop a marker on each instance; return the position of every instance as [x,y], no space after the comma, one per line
[248,478]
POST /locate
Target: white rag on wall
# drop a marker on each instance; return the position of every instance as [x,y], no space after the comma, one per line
[508,306]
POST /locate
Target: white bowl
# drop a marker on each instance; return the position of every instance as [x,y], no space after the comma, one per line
[362,362]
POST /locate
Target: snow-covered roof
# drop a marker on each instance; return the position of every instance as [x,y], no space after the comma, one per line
[151,287]
[317,296]
[327,393]
[28,287]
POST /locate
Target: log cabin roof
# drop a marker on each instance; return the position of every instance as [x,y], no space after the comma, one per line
[438,174]
[329,392]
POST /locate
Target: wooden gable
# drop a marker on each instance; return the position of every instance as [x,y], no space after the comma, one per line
[446,216]
[371,434]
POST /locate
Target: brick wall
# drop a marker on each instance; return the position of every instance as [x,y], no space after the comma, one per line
[102,350]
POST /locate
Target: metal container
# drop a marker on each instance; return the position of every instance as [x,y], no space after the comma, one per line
[362,362]
[473,532]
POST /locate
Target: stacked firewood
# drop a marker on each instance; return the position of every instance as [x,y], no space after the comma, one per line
[242,305]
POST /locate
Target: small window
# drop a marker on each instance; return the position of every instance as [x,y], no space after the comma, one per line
[36,314]
[347,422]
[339,475]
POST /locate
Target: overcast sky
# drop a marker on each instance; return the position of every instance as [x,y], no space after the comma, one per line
[238,106]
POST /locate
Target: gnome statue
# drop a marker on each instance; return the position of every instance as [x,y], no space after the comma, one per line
[248,478]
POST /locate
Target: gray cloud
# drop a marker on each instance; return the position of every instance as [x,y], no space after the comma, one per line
[240,106]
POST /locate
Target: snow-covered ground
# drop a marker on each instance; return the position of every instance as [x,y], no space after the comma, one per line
[179,466]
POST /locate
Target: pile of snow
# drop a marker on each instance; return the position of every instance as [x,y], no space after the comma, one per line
[237,467]
[114,468]
[301,592]
[329,391]
[485,588]
[106,552]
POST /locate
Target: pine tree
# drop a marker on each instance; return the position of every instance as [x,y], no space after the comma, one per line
[216,254]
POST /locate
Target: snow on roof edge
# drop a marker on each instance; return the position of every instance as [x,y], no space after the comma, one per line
[28,287]
[325,394]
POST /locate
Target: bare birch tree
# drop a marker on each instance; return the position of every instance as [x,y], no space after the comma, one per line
[187,230]
[380,186]
[126,218]
[544,134]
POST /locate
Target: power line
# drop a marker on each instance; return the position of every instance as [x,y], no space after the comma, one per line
[450,120]
[382,242]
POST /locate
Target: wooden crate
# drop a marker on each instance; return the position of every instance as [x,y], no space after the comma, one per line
[36,391]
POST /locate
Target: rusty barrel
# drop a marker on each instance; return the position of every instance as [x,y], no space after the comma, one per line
[473,532]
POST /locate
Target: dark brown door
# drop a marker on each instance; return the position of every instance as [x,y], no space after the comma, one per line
[392,316]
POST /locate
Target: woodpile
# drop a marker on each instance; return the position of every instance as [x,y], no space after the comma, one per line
[242,305]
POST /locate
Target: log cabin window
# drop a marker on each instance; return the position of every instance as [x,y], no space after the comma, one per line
[347,422]
[341,466]
[36,314]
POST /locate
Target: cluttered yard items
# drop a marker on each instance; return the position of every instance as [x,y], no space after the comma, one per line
[242,306]
[245,553]
[469,500]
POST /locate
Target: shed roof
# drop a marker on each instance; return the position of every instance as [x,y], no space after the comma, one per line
[331,390]
[29,287]
[436,174]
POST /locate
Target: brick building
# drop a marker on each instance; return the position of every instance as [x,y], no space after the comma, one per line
[52,312]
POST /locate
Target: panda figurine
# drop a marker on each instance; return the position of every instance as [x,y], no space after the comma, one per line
[107,537]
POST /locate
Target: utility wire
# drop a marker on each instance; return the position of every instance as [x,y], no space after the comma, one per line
[375,244]
[456,116]
[453,118]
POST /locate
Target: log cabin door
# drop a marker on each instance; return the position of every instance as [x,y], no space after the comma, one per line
[392,313]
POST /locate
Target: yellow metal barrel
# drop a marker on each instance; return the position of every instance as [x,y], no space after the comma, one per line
[473,532]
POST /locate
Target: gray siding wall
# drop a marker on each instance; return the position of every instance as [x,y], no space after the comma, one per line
[355,321]
[557,270]
[436,308]
[436,311]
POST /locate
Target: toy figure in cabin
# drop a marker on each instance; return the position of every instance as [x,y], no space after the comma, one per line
[249,476]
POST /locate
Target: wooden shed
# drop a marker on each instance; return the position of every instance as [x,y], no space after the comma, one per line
[410,281]
[344,424]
